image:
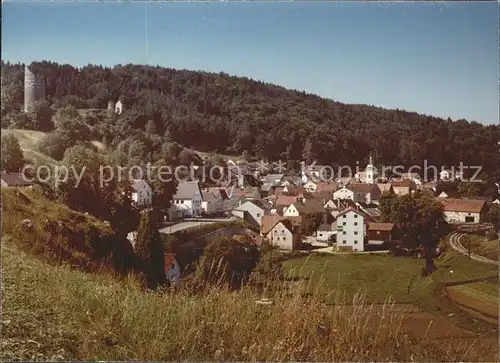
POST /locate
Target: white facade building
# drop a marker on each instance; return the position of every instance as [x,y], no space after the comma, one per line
[343,193]
[252,212]
[282,235]
[142,194]
[351,231]
[187,201]
[464,210]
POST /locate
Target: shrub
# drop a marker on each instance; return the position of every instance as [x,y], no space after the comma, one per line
[491,235]
[52,145]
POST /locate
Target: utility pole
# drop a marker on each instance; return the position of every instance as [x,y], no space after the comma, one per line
[468,243]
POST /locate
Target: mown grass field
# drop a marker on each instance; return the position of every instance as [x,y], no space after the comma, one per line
[480,245]
[28,139]
[377,276]
[55,313]
[340,277]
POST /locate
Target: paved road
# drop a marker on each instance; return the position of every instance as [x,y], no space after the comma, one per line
[183,225]
[457,246]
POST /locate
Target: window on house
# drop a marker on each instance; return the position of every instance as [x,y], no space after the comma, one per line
[344,216]
[282,231]
[182,202]
[344,232]
[355,223]
[355,216]
[344,223]
[356,232]
[258,214]
[344,242]
[356,242]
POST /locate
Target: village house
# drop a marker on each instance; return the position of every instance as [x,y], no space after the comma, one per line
[221,195]
[364,192]
[403,187]
[10,179]
[142,194]
[351,231]
[268,221]
[358,192]
[247,193]
[344,193]
[211,203]
[379,233]
[414,177]
[172,269]
[324,232]
[284,235]
[273,179]
[450,175]
[311,206]
[385,188]
[282,202]
[324,186]
[288,181]
[310,186]
[187,200]
[267,189]
[252,211]
[464,210]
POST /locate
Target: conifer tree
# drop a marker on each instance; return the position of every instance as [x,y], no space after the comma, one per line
[150,252]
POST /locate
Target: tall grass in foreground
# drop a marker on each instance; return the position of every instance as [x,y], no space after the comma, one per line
[52,312]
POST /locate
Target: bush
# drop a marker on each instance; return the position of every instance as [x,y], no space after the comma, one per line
[52,145]
[491,235]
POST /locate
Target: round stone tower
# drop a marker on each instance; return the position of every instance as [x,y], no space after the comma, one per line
[34,88]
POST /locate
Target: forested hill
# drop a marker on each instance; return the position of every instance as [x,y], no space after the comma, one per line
[227,114]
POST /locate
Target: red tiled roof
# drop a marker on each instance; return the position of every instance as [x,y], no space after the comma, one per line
[403,183]
[286,200]
[380,226]
[327,187]
[268,222]
[463,205]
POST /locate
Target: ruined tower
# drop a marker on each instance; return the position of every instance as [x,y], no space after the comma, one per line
[34,88]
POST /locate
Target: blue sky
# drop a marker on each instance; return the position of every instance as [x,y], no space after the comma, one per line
[434,58]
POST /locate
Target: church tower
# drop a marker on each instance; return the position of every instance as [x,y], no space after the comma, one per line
[371,172]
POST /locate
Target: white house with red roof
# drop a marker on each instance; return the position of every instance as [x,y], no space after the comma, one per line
[464,210]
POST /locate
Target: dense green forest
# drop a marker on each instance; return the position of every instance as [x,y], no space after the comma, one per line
[235,115]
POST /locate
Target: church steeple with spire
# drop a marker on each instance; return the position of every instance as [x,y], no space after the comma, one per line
[370,172]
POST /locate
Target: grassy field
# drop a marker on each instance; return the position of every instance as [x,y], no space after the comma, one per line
[338,278]
[378,277]
[480,245]
[54,313]
[28,139]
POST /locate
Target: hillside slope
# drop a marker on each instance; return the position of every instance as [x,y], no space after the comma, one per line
[28,139]
[60,235]
[56,313]
[227,114]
